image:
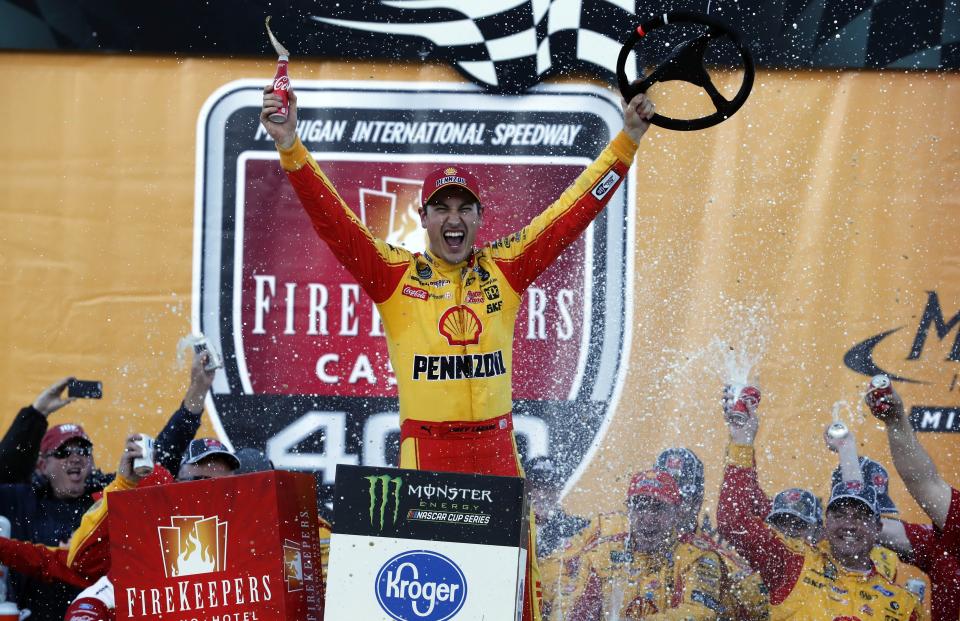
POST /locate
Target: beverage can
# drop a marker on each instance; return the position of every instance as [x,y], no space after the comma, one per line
[142,466]
[745,400]
[880,387]
[918,587]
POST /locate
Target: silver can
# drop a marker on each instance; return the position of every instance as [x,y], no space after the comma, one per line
[918,587]
[142,466]
[838,431]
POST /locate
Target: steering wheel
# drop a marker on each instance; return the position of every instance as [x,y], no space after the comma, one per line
[685,63]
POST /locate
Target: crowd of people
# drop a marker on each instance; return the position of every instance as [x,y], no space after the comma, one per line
[52,493]
[789,557]
[792,557]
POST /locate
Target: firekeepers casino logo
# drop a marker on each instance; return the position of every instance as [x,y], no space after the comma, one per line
[925,368]
[193,544]
[306,372]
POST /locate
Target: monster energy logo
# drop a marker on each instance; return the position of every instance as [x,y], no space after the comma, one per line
[382,492]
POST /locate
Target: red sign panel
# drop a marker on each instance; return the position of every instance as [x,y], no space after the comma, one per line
[242,547]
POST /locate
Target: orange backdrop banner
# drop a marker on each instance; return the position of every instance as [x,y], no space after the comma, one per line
[816,226]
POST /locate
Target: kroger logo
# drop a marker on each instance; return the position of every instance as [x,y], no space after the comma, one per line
[420,584]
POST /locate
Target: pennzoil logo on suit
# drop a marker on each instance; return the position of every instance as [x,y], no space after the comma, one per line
[306,371]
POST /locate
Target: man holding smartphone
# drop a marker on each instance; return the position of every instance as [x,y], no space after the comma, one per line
[48,478]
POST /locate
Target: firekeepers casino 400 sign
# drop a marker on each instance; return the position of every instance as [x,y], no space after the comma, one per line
[306,372]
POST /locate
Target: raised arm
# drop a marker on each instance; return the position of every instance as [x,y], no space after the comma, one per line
[526,254]
[377,266]
[741,512]
[182,426]
[20,446]
[913,463]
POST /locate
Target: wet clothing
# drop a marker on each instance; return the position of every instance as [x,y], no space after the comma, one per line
[556,529]
[609,581]
[742,593]
[935,553]
[450,327]
[805,582]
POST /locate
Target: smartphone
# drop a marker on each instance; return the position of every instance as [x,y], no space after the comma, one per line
[85,389]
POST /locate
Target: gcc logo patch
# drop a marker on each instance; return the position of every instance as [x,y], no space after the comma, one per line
[193,544]
[421,584]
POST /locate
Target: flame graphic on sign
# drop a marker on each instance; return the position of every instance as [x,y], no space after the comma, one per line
[193,545]
[392,213]
[292,565]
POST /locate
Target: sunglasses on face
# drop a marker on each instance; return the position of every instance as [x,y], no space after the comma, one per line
[66,451]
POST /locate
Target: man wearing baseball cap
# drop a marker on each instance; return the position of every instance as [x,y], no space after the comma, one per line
[797,514]
[449,313]
[648,572]
[933,548]
[836,579]
[742,594]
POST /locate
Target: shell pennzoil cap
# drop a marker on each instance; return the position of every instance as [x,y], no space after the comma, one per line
[854,491]
[655,484]
[445,177]
[876,476]
[797,502]
[201,448]
[686,469]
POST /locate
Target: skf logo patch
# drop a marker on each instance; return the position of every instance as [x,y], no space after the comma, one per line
[415,292]
[461,326]
[605,185]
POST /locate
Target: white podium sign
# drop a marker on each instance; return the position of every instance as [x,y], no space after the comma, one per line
[422,546]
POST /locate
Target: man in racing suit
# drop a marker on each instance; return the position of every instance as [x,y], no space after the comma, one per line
[742,593]
[449,313]
[836,579]
[648,573]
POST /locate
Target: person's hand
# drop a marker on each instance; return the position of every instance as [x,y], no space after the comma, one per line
[838,436]
[887,408]
[636,116]
[130,452]
[51,399]
[283,134]
[200,382]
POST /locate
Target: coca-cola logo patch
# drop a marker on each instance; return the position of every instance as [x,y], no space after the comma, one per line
[307,375]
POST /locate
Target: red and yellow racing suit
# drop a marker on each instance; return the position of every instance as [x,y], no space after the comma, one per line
[742,596]
[608,581]
[450,327]
[805,582]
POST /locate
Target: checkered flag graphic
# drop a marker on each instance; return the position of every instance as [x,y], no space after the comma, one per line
[509,45]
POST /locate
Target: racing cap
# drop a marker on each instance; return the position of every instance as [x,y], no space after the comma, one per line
[685,468]
[201,448]
[57,436]
[856,491]
[875,475]
[445,177]
[654,484]
[799,503]
[252,460]
[543,471]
